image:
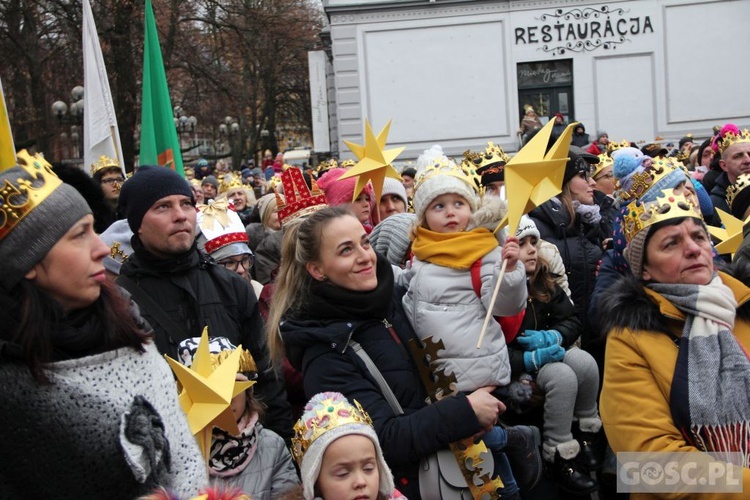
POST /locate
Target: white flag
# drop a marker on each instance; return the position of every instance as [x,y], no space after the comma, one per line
[100,133]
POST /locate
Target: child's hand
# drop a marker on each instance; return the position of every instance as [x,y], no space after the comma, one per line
[531,340]
[534,360]
[511,251]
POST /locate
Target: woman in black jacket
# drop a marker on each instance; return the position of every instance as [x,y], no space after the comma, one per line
[332,288]
[574,224]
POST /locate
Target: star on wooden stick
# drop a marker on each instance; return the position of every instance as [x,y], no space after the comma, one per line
[729,236]
[532,176]
[375,162]
[207,392]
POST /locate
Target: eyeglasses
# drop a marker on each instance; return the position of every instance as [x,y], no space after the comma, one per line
[246,262]
[113,180]
[608,175]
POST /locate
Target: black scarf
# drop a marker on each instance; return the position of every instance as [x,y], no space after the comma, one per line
[331,302]
[147,263]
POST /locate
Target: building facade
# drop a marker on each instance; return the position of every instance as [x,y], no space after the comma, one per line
[459,72]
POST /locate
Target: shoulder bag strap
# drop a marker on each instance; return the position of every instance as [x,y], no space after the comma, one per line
[384,387]
[147,303]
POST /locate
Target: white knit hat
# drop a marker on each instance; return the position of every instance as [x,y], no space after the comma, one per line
[332,413]
[438,175]
[393,186]
[527,227]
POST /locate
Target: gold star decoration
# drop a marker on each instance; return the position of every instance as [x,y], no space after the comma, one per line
[534,177]
[207,392]
[375,162]
[729,236]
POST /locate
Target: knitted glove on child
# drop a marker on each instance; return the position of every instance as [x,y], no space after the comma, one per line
[534,360]
[531,340]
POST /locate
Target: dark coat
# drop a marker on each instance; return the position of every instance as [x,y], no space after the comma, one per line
[195,293]
[319,349]
[557,314]
[719,192]
[580,246]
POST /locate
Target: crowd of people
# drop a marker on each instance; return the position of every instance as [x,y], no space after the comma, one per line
[617,325]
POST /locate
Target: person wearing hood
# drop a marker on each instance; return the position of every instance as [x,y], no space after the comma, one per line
[580,137]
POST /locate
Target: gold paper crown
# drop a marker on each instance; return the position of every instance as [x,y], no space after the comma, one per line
[614,146]
[329,414]
[464,171]
[247,363]
[325,166]
[229,182]
[642,181]
[732,138]
[19,197]
[347,163]
[492,156]
[669,206]
[604,161]
[742,182]
[104,162]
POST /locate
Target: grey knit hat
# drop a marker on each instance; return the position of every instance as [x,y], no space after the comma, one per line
[635,251]
[392,236]
[150,184]
[36,210]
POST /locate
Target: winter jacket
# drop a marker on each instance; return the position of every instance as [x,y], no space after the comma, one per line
[719,192]
[441,303]
[640,364]
[557,314]
[256,232]
[581,248]
[90,433]
[319,349]
[195,293]
[269,473]
[580,140]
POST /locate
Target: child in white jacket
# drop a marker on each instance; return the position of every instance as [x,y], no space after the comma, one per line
[447,303]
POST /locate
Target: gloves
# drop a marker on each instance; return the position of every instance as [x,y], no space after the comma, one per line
[531,340]
[534,360]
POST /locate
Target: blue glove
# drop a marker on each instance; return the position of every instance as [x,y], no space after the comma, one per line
[534,360]
[531,340]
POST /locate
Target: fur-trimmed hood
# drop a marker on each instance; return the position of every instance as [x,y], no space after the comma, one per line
[490,213]
[626,305]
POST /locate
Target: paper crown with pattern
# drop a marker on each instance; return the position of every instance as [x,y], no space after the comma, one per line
[299,200]
[492,156]
[465,171]
[614,146]
[20,196]
[730,135]
[104,162]
[604,161]
[668,206]
[642,181]
[220,225]
[327,414]
[325,166]
[228,182]
[740,185]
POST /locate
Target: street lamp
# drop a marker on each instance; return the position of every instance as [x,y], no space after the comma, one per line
[71,114]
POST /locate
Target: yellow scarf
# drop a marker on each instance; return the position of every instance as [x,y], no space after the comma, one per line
[454,250]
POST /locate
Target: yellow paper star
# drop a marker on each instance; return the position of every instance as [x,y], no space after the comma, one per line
[375,162]
[533,177]
[207,392]
[730,236]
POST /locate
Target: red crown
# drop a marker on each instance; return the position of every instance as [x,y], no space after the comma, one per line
[299,200]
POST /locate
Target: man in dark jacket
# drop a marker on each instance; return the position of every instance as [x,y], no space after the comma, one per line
[180,291]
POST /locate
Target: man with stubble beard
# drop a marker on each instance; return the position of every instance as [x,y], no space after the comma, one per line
[180,291]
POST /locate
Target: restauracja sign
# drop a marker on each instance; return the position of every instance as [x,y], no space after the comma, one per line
[583,29]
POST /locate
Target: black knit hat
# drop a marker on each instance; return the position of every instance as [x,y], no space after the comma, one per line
[411,172]
[150,184]
[580,161]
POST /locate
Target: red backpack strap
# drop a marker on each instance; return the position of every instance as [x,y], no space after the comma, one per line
[509,324]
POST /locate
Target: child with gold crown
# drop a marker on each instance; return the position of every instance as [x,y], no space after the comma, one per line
[443,303]
[338,452]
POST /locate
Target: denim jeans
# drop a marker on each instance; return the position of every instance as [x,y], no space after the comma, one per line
[495,440]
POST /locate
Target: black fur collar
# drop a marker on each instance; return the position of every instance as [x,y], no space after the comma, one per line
[625,304]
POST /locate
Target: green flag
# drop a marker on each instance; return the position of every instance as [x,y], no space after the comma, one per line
[159,142]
